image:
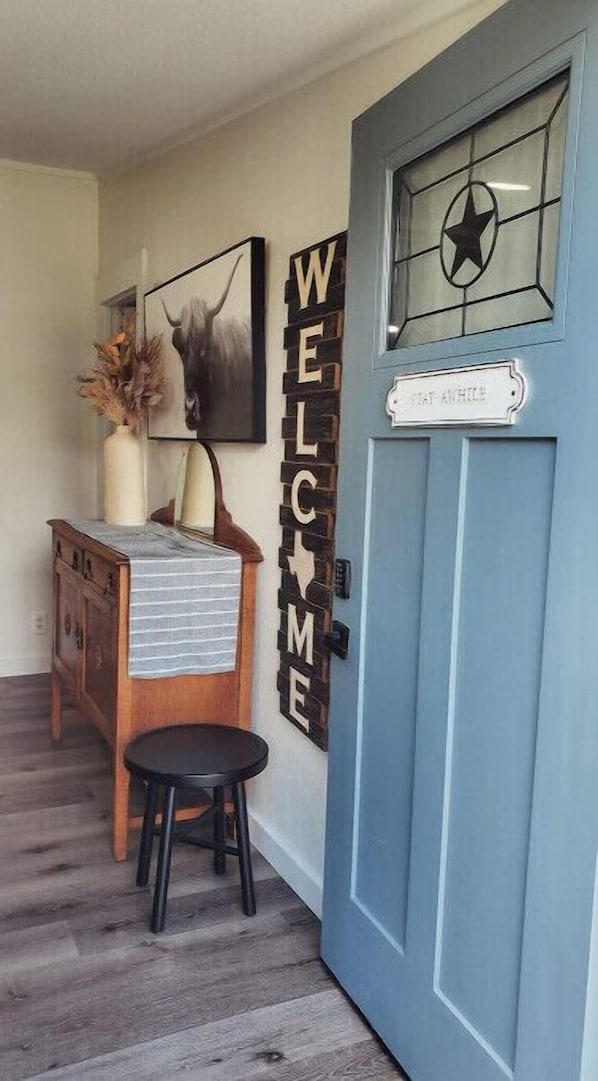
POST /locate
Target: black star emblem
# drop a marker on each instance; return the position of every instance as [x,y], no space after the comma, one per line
[467,234]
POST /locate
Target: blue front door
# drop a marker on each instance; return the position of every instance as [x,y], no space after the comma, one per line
[463,783]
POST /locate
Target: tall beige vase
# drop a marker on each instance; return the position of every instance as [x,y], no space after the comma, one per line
[124,486]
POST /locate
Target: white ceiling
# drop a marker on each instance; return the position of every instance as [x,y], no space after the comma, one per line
[99,84]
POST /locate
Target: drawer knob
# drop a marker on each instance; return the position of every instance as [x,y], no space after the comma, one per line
[67,623]
[88,570]
[75,563]
[58,550]
[109,583]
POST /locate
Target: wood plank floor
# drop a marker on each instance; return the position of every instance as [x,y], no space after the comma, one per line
[86,991]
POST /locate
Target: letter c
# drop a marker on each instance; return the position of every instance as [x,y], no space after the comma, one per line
[304,476]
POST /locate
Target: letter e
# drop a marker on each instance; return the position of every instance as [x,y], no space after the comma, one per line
[308,352]
[296,697]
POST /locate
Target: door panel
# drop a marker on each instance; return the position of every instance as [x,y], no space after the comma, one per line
[386,756]
[463,779]
[493,709]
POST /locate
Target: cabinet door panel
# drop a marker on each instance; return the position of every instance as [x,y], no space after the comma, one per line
[68,633]
[100,658]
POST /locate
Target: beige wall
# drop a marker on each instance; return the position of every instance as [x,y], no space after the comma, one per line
[281,172]
[48,257]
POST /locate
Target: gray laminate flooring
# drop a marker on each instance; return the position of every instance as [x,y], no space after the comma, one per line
[86,991]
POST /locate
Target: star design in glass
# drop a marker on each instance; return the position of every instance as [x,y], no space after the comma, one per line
[466,235]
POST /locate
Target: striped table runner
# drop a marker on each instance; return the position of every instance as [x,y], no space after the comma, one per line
[184,599]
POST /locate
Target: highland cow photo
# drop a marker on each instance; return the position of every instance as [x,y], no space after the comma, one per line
[211,319]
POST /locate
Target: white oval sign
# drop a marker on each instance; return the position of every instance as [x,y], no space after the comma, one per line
[487,394]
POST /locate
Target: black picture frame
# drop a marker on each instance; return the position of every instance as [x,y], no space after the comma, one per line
[212,319]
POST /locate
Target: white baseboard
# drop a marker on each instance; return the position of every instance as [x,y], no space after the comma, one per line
[25,666]
[299,878]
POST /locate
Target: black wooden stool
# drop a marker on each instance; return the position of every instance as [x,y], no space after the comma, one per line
[195,756]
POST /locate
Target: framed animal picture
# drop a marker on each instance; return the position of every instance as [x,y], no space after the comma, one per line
[212,323]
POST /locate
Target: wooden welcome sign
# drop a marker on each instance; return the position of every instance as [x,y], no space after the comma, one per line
[315,295]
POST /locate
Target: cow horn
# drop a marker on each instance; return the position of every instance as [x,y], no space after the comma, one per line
[173,322]
[214,311]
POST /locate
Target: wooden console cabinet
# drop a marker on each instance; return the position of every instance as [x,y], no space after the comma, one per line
[90,653]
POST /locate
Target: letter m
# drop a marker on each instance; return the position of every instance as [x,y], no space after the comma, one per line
[314,270]
[300,639]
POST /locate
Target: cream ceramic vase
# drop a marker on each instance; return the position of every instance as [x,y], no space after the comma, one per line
[124,485]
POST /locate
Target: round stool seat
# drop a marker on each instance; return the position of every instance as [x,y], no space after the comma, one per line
[197,755]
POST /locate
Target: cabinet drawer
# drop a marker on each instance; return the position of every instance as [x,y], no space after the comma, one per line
[69,553]
[100,574]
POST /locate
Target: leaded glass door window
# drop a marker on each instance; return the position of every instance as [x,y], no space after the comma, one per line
[476,225]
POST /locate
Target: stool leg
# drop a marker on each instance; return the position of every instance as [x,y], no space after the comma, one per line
[247,888]
[219,832]
[147,834]
[164,852]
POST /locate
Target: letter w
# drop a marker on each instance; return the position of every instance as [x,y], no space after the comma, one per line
[314,270]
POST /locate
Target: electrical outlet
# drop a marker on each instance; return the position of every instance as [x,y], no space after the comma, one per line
[39,623]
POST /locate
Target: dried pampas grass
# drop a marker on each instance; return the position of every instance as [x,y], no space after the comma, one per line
[126,379]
